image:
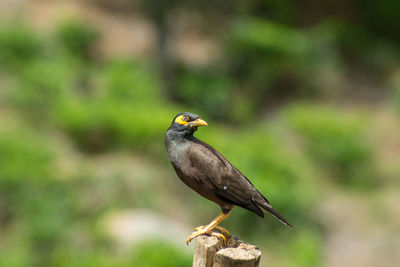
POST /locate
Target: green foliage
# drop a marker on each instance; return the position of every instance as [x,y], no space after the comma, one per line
[127,110]
[43,224]
[14,251]
[17,45]
[130,82]
[268,38]
[158,253]
[28,196]
[336,141]
[19,147]
[274,63]
[207,92]
[40,86]
[78,38]
[144,254]
[386,17]
[305,250]
[102,124]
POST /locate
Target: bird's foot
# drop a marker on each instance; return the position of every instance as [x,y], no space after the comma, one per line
[219,228]
[202,230]
[195,234]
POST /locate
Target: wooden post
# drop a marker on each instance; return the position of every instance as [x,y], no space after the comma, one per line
[209,251]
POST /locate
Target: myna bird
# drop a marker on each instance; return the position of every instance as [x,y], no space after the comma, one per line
[206,171]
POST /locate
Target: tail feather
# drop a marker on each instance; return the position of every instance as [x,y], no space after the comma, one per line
[270,209]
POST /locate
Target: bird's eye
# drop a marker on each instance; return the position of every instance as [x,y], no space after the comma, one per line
[185,118]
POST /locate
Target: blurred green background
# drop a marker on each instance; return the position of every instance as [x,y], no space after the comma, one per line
[302,96]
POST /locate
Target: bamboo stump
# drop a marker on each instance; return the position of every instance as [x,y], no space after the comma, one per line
[209,251]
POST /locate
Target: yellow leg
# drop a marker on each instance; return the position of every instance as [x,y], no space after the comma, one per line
[207,229]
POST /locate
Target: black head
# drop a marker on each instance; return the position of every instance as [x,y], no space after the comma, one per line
[186,123]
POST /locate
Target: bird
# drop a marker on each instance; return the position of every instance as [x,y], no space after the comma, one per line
[205,170]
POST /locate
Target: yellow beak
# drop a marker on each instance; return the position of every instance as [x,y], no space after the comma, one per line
[198,122]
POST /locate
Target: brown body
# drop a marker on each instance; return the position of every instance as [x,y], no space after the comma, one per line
[206,171]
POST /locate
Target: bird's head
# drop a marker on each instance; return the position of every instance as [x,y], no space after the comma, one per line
[187,123]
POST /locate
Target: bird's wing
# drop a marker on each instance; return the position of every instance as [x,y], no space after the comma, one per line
[223,178]
[227,182]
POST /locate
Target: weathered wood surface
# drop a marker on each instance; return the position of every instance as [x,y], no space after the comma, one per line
[211,252]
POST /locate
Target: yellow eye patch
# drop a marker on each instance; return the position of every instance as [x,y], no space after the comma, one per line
[182,119]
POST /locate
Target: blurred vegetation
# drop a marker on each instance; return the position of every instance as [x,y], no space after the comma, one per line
[271,102]
[77,38]
[18,45]
[336,142]
[102,117]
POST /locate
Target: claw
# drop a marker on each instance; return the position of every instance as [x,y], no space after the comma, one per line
[223,230]
[196,234]
[202,230]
